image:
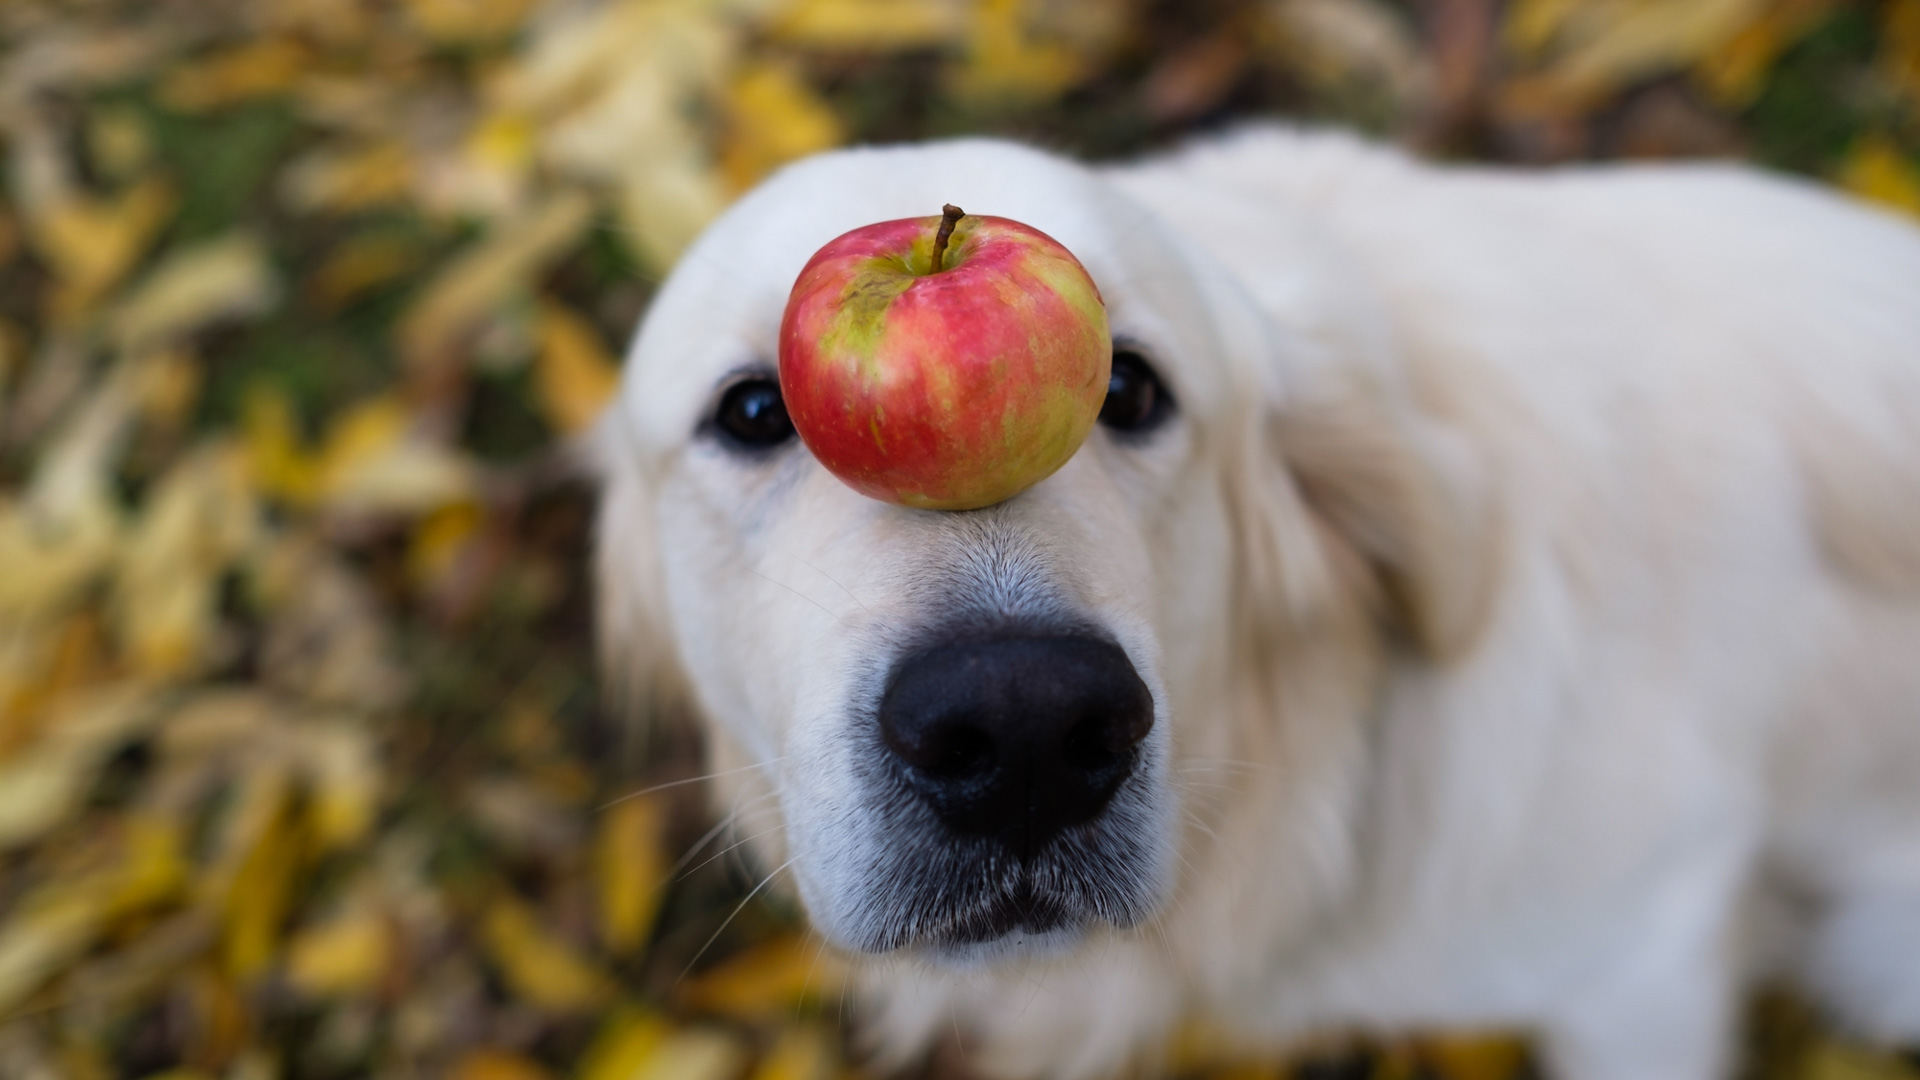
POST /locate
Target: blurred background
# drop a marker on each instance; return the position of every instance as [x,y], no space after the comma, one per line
[304,772]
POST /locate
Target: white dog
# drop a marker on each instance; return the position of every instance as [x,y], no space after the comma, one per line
[1497,597]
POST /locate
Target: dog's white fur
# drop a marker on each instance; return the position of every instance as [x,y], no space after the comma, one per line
[1529,587]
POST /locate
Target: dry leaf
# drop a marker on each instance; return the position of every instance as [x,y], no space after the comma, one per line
[626,1042]
[769,979]
[1469,1058]
[342,180]
[775,117]
[497,1065]
[199,521]
[1601,45]
[693,1054]
[374,460]
[540,968]
[477,284]
[1877,169]
[348,954]
[869,25]
[1006,61]
[91,244]
[220,279]
[630,868]
[801,1053]
[254,70]
[44,783]
[575,376]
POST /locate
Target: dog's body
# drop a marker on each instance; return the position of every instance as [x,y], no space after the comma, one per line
[1528,587]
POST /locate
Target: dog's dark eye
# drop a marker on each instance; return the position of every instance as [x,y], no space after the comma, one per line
[1137,401]
[753,414]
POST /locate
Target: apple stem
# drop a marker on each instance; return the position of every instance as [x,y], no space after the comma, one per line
[950,216]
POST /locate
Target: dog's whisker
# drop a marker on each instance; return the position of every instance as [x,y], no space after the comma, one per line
[736,845]
[723,825]
[738,908]
[684,782]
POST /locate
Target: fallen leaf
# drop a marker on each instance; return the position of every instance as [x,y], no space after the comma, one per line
[479,282]
[574,376]
[348,954]
[243,73]
[804,1052]
[1006,61]
[497,1065]
[375,460]
[43,783]
[626,1042]
[1473,1058]
[869,25]
[339,180]
[774,117]
[90,244]
[219,279]
[541,969]
[769,979]
[1876,168]
[630,868]
[693,1054]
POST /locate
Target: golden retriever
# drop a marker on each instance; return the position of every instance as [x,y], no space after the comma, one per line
[1491,598]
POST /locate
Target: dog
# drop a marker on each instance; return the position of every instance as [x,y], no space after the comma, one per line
[1507,585]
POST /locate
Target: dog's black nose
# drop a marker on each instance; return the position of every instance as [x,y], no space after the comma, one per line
[1017,738]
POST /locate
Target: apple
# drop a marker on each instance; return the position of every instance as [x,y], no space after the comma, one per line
[945,363]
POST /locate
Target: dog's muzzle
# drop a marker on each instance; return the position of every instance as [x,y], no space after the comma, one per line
[1016,739]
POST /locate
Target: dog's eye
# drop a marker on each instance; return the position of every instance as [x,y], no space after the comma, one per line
[1137,401]
[753,414]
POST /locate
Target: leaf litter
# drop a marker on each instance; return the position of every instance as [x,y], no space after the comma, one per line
[304,305]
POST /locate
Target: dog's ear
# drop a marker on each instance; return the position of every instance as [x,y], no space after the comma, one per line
[1407,496]
[638,664]
[1344,493]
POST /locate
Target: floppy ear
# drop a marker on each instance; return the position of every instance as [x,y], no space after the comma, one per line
[637,658]
[1342,492]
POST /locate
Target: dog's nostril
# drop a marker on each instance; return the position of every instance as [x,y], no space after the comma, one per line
[1088,744]
[1016,738]
[960,752]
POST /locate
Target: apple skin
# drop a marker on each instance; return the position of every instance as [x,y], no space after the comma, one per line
[946,390]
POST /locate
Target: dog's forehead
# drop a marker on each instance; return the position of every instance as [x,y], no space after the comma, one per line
[719,311]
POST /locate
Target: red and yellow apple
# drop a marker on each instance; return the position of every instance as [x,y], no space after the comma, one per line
[945,363]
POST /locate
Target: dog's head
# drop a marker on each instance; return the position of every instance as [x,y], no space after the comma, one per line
[960,732]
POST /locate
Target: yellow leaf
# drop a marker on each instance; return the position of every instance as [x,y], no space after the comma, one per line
[1735,73]
[346,955]
[497,1065]
[262,851]
[541,968]
[1007,61]
[91,244]
[1876,168]
[868,25]
[280,467]
[1833,1061]
[343,180]
[480,281]
[631,868]
[769,979]
[343,781]
[775,118]
[575,376]
[255,70]
[695,1054]
[1899,60]
[1466,1058]
[468,21]
[199,521]
[627,1040]
[1597,48]
[363,263]
[802,1053]
[220,279]
[439,540]
[42,784]
[55,926]
[374,461]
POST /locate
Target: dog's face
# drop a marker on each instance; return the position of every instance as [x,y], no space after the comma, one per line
[959,730]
